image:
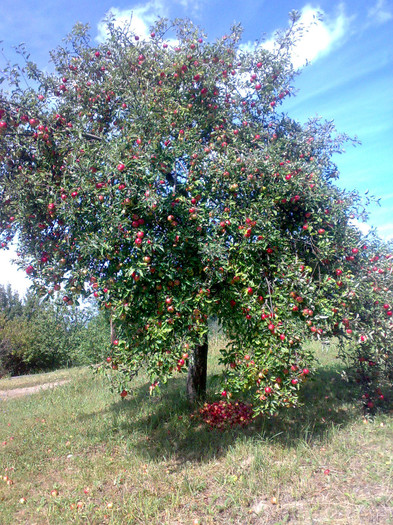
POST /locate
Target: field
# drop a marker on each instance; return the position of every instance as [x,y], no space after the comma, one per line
[78,454]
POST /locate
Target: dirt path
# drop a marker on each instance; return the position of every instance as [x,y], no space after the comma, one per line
[26,391]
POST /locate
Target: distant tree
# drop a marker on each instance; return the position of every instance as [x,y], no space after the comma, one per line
[16,340]
[10,303]
[41,336]
[90,340]
[160,176]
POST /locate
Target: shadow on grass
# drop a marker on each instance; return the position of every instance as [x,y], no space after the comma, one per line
[167,427]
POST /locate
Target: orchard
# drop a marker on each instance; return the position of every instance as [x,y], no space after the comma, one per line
[160,177]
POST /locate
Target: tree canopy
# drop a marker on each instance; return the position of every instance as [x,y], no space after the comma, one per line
[160,176]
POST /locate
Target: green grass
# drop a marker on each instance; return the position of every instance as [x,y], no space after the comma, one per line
[154,464]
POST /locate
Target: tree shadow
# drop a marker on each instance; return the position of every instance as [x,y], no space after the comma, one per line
[167,426]
[327,401]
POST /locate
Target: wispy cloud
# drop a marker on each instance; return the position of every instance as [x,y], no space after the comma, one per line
[321,33]
[380,13]
[330,82]
[138,20]
[386,231]
[193,7]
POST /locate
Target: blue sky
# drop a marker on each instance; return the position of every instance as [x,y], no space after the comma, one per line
[349,79]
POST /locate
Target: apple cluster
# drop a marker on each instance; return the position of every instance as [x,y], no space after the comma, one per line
[224,414]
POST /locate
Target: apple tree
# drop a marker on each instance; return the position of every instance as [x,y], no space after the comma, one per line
[160,176]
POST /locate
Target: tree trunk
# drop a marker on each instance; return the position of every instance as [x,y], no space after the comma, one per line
[197,373]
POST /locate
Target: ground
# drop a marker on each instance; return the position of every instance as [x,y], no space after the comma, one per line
[79,454]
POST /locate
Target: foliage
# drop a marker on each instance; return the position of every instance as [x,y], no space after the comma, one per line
[36,336]
[10,302]
[363,319]
[89,341]
[16,339]
[159,176]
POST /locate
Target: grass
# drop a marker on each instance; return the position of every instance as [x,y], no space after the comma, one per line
[143,460]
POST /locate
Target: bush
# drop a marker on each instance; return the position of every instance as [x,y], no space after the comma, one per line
[43,336]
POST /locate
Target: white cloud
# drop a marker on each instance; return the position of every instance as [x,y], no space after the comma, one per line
[380,12]
[320,34]
[384,231]
[11,274]
[362,226]
[138,20]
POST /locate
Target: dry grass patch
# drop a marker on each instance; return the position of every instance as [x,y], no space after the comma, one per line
[12,383]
